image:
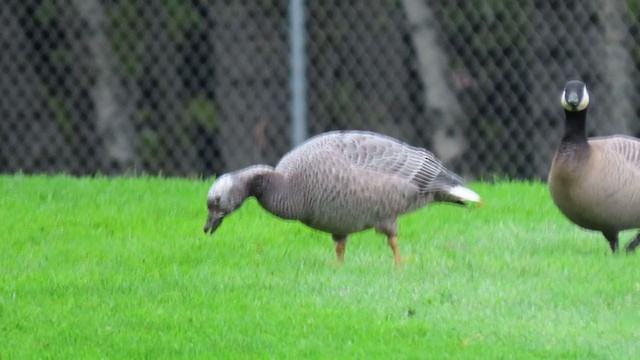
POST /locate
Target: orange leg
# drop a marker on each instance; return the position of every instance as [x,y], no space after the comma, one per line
[393,243]
[340,251]
[341,242]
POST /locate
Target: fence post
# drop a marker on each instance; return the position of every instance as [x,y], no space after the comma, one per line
[298,81]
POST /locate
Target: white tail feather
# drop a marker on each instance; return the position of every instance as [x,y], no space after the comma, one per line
[464,194]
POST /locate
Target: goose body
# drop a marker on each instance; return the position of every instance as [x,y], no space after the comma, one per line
[596,182]
[341,183]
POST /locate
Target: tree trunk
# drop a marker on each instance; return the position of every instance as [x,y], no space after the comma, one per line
[112,102]
[448,118]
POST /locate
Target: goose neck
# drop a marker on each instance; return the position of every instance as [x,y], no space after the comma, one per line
[275,194]
[264,182]
[575,127]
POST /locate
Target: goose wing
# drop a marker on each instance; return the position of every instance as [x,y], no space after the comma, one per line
[626,146]
[385,155]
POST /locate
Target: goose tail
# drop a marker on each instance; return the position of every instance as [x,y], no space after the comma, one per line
[464,194]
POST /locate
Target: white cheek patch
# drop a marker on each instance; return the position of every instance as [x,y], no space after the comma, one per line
[221,186]
[564,101]
[585,100]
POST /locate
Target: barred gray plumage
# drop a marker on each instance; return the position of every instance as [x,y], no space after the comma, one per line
[342,182]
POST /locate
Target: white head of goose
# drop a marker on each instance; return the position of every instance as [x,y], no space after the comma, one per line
[594,182]
[342,182]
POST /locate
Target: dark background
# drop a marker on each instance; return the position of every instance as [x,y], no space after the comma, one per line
[194,88]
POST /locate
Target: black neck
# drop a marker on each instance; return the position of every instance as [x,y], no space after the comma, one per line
[575,127]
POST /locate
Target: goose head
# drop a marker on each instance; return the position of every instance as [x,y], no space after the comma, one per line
[575,96]
[226,195]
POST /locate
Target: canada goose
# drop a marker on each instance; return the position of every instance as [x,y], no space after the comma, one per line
[595,182]
[342,182]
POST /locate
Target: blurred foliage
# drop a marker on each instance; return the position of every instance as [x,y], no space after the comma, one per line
[124,18]
[202,111]
[489,30]
[182,17]
[172,65]
[634,9]
[45,13]
[62,118]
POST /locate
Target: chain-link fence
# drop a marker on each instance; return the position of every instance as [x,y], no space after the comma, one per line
[201,87]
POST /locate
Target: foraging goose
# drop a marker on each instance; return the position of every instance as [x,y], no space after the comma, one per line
[342,182]
[595,182]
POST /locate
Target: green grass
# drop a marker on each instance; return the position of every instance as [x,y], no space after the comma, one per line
[120,268]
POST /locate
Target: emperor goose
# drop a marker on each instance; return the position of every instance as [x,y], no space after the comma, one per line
[341,183]
[595,182]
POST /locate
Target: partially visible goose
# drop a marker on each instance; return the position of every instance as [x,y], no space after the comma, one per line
[595,182]
[341,183]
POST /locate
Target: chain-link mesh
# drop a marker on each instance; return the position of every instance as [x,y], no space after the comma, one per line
[202,87]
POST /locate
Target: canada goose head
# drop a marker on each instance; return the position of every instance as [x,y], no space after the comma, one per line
[226,195]
[575,96]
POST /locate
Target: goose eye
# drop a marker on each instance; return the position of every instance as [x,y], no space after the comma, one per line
[213,203]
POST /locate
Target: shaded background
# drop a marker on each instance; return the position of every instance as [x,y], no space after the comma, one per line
[192,88]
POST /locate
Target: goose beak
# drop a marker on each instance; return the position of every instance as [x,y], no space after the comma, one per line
[572,99]
[213,222]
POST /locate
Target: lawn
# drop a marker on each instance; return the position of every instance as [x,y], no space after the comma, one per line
[120,268]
